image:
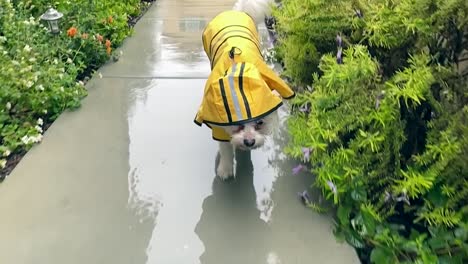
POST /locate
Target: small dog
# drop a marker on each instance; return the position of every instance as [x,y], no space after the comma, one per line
[242,93]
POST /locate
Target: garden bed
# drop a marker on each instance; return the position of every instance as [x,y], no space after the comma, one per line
[41,74]
[383,122]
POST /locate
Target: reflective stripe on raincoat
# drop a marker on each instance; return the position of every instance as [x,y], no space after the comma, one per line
[239,88]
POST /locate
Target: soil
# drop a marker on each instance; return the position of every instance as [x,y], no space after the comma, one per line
[15,158]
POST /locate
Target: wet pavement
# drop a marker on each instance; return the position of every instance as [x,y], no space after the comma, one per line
[129,178]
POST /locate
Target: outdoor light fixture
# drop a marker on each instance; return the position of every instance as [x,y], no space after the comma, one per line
[52,17]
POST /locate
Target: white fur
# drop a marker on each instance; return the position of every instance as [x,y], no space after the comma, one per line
[225,167]
[257,9]
[251,135]
[247,137]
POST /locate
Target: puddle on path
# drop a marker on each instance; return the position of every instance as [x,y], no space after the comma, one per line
[257,218]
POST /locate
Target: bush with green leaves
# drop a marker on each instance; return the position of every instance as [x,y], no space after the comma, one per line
[41,75]
[384,125]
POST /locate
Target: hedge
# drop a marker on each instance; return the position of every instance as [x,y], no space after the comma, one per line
[382,120]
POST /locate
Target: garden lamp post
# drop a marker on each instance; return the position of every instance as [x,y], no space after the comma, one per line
[52,17]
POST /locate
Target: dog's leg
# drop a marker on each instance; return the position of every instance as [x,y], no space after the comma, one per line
[226,160]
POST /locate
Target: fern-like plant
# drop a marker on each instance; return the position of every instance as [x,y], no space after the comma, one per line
[386,120]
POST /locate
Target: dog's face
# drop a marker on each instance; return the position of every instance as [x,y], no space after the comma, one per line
[252,135]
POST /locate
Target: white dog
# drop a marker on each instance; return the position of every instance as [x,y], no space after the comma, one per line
[242,93]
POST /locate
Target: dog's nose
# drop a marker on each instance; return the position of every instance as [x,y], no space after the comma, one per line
[249,142]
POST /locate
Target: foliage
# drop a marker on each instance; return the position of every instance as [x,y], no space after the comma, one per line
[40,74]
[386,122]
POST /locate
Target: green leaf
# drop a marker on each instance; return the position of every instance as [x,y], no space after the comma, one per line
[369,222]
[410,246]
[451,259]
[343,214]
[428,257]
[359,195]
[382,256]
[354,239]
[437,243]
[461,233]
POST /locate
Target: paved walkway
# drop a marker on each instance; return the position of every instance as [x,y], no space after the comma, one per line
[129,179]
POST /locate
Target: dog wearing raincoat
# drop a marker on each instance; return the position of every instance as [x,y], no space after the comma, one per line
[242,93]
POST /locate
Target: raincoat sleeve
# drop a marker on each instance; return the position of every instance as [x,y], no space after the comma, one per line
[275,82]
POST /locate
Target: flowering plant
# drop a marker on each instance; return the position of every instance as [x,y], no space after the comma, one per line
[383,123]
[42,75]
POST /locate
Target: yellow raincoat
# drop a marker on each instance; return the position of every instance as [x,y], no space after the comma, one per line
[239,88]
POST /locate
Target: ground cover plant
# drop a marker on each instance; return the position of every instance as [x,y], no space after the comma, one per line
[381,120]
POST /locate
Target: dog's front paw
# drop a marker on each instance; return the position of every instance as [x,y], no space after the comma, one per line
[225,170]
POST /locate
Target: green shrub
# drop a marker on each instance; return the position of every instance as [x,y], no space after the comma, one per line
[40,74]
[386,123]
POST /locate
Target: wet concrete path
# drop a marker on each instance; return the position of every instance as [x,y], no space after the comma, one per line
[129,178]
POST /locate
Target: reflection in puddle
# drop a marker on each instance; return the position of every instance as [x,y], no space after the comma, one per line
[192,24]
[198,218]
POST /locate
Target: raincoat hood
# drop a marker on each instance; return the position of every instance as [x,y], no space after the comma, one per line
[240,86]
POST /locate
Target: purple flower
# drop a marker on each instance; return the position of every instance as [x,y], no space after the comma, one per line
[332,187]
[306,152]
[305,198]
[339,56]
[305,108]
[403,198]
[388,196]
[339,41]
[377,104]
[297,169]
[379,98]
[358,13]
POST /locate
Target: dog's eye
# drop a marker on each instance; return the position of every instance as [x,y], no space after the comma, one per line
[259,124]
[239,128]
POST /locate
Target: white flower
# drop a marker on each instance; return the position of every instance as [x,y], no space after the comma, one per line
[38,128]
[69,60]
[62,69]
[60,76]
[29,84]
[61,89]
[27,48]
[81,83]
[121,52]
[26,22]
[100,75]
[40,87]
[6,153]
[40,121]
[25,140]
[3,39]
[32,59]
[37,138]
[55,61]
[5,52]
[8,105]
[15,63]
[31,139]
[3,163]
[26,69]
[44,111]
